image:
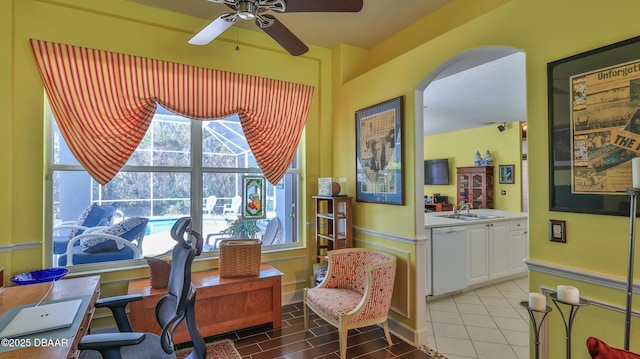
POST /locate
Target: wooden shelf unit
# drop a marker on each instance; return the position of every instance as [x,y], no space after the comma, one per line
[333,224]
[475,185]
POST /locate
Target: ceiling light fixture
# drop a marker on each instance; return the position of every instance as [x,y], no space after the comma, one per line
[247,10]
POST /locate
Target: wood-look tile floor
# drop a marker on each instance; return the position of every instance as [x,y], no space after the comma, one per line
[291,341]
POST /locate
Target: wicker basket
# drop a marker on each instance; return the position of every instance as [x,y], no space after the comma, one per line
[239,257]
[159,270]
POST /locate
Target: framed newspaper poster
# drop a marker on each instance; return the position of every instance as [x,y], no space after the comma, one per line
[379,153]
[594,128]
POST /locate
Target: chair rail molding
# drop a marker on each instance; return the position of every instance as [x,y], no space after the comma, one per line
[19,246]
[599,279]
[385,235]
[595,302]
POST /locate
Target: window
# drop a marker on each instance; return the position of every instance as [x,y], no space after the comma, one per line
[182,167]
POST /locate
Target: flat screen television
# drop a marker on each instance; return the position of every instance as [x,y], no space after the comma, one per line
[436,172]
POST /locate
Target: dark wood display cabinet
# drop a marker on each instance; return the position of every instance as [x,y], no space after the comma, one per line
[475,185]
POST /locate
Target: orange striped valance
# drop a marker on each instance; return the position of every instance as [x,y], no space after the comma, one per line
[104,103]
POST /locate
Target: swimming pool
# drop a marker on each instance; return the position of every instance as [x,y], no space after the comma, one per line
[163,225]
[160,225]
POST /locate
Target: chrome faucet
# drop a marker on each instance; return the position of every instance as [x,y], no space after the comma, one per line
[468,206]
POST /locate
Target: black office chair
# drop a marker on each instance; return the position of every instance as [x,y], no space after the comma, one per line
[171,310]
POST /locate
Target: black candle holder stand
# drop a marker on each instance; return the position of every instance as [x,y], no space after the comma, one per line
[536,326]
[568,320]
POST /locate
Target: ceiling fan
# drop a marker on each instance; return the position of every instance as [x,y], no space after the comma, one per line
[254,9]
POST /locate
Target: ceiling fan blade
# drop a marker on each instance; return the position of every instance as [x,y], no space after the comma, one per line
[323,5]
[284,37]
[213,30]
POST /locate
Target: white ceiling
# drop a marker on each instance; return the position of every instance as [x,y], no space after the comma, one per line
[489,92]
[486,88]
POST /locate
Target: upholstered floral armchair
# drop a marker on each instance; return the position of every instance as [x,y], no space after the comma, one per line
[355,293]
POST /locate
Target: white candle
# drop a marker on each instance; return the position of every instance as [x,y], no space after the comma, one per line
[568,294]
[635,171]
[538,301]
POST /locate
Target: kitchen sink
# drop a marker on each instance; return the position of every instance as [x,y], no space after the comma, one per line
[468,217]
[463,217]
[485,216]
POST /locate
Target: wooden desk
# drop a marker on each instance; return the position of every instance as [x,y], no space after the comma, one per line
[222,304]
[62,289]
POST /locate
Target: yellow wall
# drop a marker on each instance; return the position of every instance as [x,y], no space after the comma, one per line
[460,148]
[545,30]
[127,27]
[448,17]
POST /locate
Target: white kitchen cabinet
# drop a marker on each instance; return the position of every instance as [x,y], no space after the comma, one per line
[518,245]
[495,250]
[498,249]
[477,254]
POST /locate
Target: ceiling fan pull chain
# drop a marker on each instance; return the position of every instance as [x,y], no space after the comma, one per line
[237,43]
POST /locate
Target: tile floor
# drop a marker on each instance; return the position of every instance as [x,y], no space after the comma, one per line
[487,322]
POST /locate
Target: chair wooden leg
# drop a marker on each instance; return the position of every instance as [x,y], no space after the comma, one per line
[342,338]
[385,326]
[304,310]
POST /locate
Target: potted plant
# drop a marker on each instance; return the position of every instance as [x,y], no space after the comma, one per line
[242,228]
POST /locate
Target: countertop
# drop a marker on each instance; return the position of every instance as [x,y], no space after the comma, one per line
[433,219]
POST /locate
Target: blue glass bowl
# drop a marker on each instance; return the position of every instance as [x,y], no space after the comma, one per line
[39,276]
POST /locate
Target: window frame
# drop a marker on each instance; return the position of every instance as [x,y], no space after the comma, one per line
[196,171]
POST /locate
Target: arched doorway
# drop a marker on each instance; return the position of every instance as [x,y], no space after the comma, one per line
[476,72]
[478,87]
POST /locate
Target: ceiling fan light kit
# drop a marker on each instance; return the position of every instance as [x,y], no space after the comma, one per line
[247,10]
[253,9]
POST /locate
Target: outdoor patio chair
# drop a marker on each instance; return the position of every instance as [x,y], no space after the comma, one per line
[209,205]
[102,244]
[233,209]
[93,216]
[273,232]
